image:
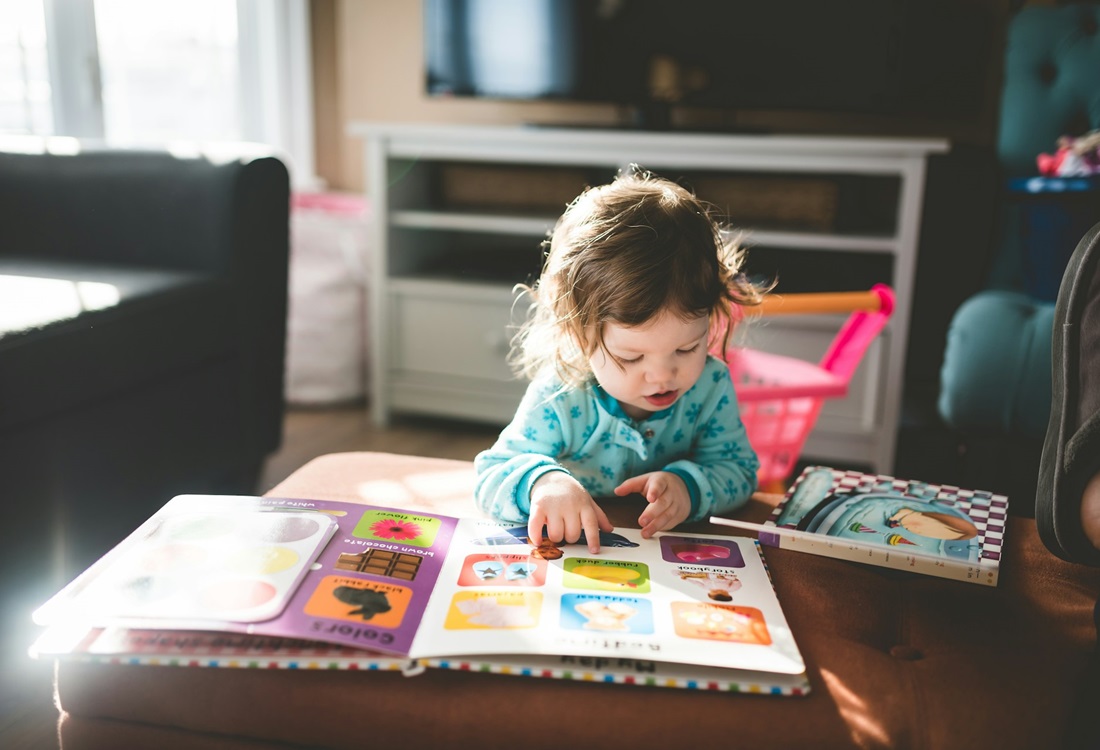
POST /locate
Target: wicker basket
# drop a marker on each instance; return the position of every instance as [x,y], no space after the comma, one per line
[802,203]
[510,188]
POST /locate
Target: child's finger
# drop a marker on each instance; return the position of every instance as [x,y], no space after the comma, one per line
[604,522]
[657,521]
[591,522]
[534,529]
[633,485]
[555,531]
[652,528]
[648,525]
[572,526]
[655,489]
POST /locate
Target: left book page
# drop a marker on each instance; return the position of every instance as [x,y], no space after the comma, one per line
[356,575]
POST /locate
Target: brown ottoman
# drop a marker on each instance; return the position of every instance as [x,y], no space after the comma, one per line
[895,660]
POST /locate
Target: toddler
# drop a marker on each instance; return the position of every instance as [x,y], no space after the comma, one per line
[637,288]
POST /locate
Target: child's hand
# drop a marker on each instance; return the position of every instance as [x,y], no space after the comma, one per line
[565,507]
[668,498]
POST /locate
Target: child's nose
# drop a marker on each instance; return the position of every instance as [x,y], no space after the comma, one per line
[661,372]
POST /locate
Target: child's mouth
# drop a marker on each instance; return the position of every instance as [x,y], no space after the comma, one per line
[661,400]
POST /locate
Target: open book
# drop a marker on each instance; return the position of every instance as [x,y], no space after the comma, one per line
[249,581]
[937,530]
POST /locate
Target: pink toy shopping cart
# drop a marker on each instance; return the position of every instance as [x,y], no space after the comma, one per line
[780,397]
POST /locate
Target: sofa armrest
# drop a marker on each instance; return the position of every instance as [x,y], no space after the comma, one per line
[260,270]
[996,375]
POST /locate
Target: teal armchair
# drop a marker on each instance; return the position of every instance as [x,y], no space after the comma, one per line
[995,380]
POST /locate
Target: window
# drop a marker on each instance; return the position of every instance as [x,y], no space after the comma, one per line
[132,72]
[24,70]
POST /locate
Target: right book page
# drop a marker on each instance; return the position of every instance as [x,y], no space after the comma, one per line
[679,598]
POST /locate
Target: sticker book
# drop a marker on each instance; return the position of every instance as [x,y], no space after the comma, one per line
[936,530]
[232,581]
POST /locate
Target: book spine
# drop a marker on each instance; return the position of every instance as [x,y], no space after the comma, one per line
[655,678]
[843,550]
[253,662]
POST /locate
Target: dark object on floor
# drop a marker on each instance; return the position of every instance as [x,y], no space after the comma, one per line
[1071,451]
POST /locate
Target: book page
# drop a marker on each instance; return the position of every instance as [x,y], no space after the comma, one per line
[366,587]
[683,598]
[414,584]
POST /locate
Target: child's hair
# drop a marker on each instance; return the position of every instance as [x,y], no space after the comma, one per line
[621,253]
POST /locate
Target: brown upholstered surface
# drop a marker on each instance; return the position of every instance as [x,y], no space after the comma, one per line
[895,660]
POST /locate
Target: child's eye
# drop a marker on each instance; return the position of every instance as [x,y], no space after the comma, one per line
[687,351]
[624,361]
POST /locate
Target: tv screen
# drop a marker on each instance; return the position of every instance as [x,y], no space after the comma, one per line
[894,57]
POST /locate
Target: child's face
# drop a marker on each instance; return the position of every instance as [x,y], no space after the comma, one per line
[648,367]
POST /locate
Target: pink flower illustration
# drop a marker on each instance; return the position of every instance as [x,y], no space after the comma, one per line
[391,528]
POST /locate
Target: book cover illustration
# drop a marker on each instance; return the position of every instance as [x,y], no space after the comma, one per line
[416,586]
[934,529]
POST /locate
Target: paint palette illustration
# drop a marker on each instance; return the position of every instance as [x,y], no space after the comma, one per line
[236,566]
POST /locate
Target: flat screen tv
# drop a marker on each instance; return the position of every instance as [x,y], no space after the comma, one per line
[927,58]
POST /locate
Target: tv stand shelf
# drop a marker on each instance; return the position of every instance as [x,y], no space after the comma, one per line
[442,274]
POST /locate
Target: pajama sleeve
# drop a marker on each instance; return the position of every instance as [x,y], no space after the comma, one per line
[526,449]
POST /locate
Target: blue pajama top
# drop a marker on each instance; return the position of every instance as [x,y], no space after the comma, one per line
[586,433]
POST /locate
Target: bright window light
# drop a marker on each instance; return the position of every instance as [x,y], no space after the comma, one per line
[139,73]
[169,70]
[24,69]
[31,302]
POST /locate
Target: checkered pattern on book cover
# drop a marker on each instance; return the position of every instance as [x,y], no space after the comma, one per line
[987,510]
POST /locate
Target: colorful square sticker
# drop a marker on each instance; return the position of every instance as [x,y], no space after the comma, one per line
[397,528]
[606,575]
[357,600]
[720,622]
[700,551]
[502,570]
[606,613]
[485,610]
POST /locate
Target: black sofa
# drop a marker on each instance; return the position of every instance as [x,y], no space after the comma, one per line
[142,334]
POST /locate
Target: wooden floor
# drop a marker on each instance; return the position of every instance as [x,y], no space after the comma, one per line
[27,714]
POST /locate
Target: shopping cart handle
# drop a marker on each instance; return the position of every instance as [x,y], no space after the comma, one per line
[859,330]
[878,298]
[780,397]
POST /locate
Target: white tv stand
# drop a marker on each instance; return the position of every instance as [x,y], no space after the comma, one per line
[439,332]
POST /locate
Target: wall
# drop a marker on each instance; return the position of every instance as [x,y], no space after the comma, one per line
[326,96]
[369,68]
